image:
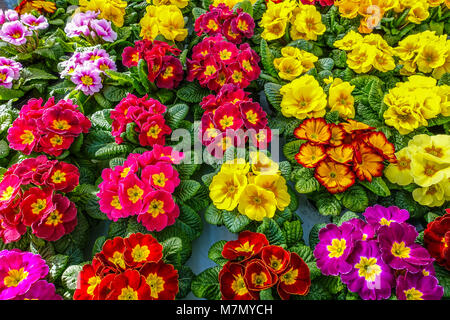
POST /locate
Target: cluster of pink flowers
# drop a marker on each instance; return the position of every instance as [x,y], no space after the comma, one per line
[9,71]
[232,114]
[221,20]
[323,3]
[147,114]
[87,68]
[164,68]
[93,29]
[216,62]
[50,128]
[16,30]
[143,186]
[32,195]
[22,277]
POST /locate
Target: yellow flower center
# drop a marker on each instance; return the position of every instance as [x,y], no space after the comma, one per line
[139,253]
[61,124]
[368,268]
[93,282]
[437,152]
[404,164]
[413,294]
[246,247]
[430,170]
[87,80]
[159,179]
[56,140]
[38,206]
[115,203]
[399,250]
[210,70]
[274,262]
[135,193]
[54,218]
[237,76]
[259,279]
[156,284]
[128,293]
[16,35]
[238,285]
[242,25]
[290,276]
[14,277]
[225,54]
[59,176]
[226,121]
[125,172]
[337,248]
[385,222]
[27,137]
[154,131]
[7,193]
[156,208]
[212,25]
[168,73]
[247,65]
[118,259]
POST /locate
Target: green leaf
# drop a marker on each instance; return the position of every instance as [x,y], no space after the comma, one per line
[215,253]
[192,92]
[98,245]
[345,217]
[304,252]
[10,94]
[213,215]
[272,231]
[245,5]
[131,134]
[175,114]
[444,279]
[186,189]
[355,199]
[290,149]
[70,276]
[333,284]
[197,12]
[56,264]
[377,186]
[5,121]
[328,205]
[102,120]
[189,221]
[234,221]
[112,150]
[305,181]
[185,276]
[314,234]
[142,72]
[114,93]
[293,232]
[171,248]
[267,59]
[272,91]
[29,74]
[122,78]
[4,149]
[206,284]
[266,294]
[117,229]
[324,64]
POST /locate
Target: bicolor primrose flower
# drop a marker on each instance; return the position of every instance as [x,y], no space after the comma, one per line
[14,33]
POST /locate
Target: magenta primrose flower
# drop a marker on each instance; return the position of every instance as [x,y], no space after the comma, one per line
[87,79]
[41,290]
[14,33]
[34,23]
[416,286]
[6,77]
[19,271]
[399,250]
[382,216]
[370,277]
[336,243]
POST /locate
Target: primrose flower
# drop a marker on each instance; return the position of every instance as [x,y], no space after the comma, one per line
[87,80]
[418,287]
[40,290]
[14,33]
[436,239]
[378,215]
[34,23]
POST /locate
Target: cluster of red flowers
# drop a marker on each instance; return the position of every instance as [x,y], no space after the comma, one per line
[436,239]
[221,20]
[147,114]
[341,152]
[50,128]
[216,62]
[31,196]
[128,269]
[254,265]
[164,68]
[142,186]
[227,115]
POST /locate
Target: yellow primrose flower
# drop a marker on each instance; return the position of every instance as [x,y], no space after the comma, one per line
[427,172]
[436,148]
[340,98]
[238,166]
[435,3]
[275,19]
[432,196]
[291,52]
[418,13]
[383,62]
[349,41]
[403,117]
[179,3]
[444,93]
[430,56]
[308,23]
[303,98]
[262,164]
[277,185]
[400,172]
[361,58]
[112,10]
[408,47]
[307,60]
[440,71]
[348,9]
[225,190]
[289,68]
[328,80]
[171,23]
[257,203]
[149,27]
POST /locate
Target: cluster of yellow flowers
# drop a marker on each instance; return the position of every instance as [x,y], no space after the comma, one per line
[304,98]
[306,21]
[179,3]
[426,52]
[256,188]
[112,10]
[293,63]
[165,20]
[367,52]
[412,103]
[372,11]
[426,162]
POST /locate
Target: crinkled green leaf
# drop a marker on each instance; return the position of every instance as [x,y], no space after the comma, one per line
[215,253]
[206,284]
[234,221]
[272,231]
